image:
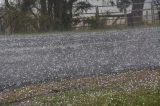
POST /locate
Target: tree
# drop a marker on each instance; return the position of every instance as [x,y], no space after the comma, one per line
[18,16]
[63,13]
[123,5]
[157,3]
[137,10]
[43,8]
[135,17]
[47,14]
[7,4]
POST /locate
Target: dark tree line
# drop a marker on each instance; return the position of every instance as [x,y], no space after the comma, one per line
[41,14]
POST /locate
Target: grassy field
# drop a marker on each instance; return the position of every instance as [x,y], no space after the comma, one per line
[141,88]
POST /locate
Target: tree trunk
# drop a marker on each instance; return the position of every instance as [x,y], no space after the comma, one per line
[63,13]
[58,11]
[67,14]
[43,7]
[136,16]
[159,14]
[50,7]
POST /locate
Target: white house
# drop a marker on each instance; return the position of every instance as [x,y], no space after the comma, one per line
[148,12]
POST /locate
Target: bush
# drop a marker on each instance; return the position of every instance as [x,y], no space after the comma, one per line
[96,23]
[17,22]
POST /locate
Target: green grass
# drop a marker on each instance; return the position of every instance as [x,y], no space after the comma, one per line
[113,94]
[141,88]
[105,97]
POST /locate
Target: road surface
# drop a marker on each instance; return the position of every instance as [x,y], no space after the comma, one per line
[29,60]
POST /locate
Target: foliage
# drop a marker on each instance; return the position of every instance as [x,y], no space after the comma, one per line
[46,15]
[123,4]
[97,23]
[45,23]
[82,7]
[42,15]
[16,21]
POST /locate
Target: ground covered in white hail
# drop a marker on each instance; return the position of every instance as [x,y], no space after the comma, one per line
[69,56]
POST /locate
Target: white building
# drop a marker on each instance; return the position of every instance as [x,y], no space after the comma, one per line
[148,12]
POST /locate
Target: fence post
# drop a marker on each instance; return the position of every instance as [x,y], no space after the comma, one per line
[147,17]
[125,13]
[152,11]
[97,12]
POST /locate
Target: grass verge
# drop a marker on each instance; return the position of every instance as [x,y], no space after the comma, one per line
[141,88]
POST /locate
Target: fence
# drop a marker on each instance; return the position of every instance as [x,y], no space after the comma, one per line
[104,16]
[110,15]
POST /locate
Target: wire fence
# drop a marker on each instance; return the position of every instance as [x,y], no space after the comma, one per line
[110,15]
[100,16]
